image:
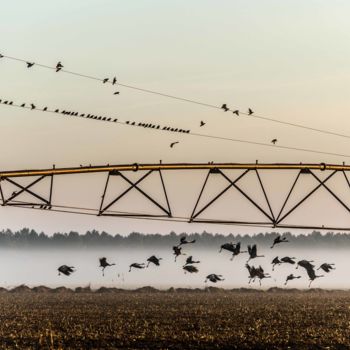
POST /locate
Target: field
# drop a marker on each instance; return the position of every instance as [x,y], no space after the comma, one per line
[177,320]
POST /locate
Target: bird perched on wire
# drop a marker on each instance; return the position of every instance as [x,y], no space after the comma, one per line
[66,270]
[250,111]
[202,123]
[190,268]
[236,112]
[279,240]
[30,64]
[104,264]
[214,278]
[32,106]
[105,80]
[136,266]
[116,93]
[173,144]
[59,66]
[224,107]
[114,81]
[274,141]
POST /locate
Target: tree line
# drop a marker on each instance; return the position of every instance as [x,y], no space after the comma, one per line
[30,238]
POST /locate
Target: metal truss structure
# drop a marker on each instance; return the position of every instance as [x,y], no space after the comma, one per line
[272,219]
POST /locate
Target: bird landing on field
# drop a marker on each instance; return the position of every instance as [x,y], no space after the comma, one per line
[104,264]
[252,250]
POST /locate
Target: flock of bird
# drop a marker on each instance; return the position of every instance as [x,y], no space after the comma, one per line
[235,249]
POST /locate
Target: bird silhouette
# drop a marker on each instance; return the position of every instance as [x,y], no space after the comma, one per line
[237,250]
[66,270]
[305,264]
[214,278]
[224,107]
[275,262]
[136,266]
[177,251]
[326,267]
[274,141]
[312,275]
[153,259]
[59,66]
[30,64]
[173,144]
[104,264]
[279,240]
[236,112]
[23,105]
[183,240]
[105,80]
[114,81]
[202,123]
[256,273]
[250,111]
[288,260]
[252,250]
[290,278]
[227,246]
[190,269]
[190,261]
[45,109]
[116,93]
[32,106]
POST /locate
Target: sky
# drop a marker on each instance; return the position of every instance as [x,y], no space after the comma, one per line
[287,60]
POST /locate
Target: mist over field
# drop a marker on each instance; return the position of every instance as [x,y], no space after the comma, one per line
[34,261]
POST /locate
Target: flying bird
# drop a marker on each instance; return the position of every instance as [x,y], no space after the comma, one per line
[190,268]
[274,141]
[327,267]
[136,266]
[173,144]
[275,262]
[227,246]
[30,64]
[250,111]
[190,261]
[279,240]
[177,251]
[183,240]
[104,264]
[252,250]
[224,107]
[153,259]
[66,270]
[59,66]
[290,278]
[214,278]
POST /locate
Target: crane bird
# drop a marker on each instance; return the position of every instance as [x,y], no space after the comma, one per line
[305,264]
[256,273]
[214,278]
[288,260]
[327,267]
[312,275]
[154,260]
[252,250]
[275,262]
[290,278]
[237,250]
[279,240]
[227,246]
[104,264]
[136,266]
[190,268]
[177,251]
[66,270]
[190,261]
[183,240]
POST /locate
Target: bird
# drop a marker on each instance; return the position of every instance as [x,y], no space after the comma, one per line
[23,105]
[290,278]
[288,260]
[136,266]
[227,246]
[305,264]
[116,93]
[237,250]
[252,250]
[114,81]
[45,109]
[105,80]
[66,270]
[202,123]
[275,262]
[250,111]
[177,251]
[278,240]
[173,144]
[59,66]
[274,141]
[190,268]
[104,264]
[153,259]
[214,278]
[236,112]
[32,106]
[327,267]
[260,274]
[190,261]
[183,240]
[30,64]
[312,275]
[224,107]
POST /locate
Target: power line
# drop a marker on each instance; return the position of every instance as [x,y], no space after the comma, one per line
[254,115]
[188,132]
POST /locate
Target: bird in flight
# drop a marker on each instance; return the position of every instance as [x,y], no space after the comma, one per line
[224,107]
[202,123]
[59,66]
[236,112]
[250,111]
[114,81]
[274,141]
[173,144]
[30,64]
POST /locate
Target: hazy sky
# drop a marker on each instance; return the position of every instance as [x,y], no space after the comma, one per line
[289,60]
